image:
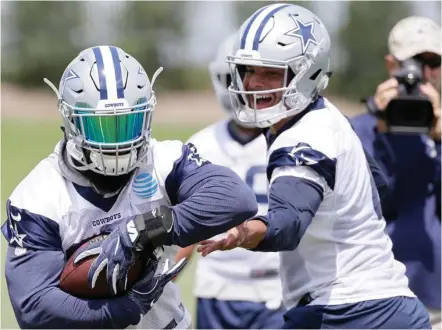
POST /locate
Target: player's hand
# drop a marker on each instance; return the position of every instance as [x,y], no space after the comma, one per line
[434,96]
[385,92]
[247,235]
[115,254]
[148,290]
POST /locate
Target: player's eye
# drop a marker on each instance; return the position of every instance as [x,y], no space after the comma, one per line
[273,73]
[250,70]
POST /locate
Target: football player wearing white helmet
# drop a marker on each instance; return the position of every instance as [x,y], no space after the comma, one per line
[108,175]
[337,265]
[238,289]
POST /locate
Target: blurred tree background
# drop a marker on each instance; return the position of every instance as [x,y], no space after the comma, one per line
[244,9]
[43,40]
[146,30]
[363,44]
[43,37]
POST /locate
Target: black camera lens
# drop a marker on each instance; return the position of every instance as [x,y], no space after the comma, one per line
[410,74]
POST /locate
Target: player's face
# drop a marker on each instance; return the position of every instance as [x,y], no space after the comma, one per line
[260,78]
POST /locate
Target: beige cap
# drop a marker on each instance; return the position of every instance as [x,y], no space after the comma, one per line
[414,35]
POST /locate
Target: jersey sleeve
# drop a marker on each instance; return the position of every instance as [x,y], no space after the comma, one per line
[303,154]
[293,203]
[207,199]
[189,163]
[301,167]
[34,261]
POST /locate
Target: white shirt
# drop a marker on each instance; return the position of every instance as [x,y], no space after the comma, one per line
[345,255]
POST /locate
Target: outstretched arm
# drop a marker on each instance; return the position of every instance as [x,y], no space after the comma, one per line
[298,178]
[293,203]
[209,199]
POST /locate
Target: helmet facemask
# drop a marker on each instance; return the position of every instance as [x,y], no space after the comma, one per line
[292,100]
[112,141]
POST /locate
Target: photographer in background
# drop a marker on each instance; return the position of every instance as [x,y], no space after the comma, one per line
[402,131]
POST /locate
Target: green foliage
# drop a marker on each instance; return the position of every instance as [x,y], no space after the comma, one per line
[183,78]
[363,42]
[46,36]
[146,27]
[42,40]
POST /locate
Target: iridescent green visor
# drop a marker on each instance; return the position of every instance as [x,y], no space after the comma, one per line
[113,126]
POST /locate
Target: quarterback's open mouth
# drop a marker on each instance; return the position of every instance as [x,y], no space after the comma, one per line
[262,101]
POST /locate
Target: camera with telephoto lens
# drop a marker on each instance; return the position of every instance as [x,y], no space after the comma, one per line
[411,111]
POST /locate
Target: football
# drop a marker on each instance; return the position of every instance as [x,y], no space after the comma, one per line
[74,278]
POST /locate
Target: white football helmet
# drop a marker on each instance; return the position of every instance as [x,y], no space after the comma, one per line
[106,101]
[220,72]
[221,77]
[282,36]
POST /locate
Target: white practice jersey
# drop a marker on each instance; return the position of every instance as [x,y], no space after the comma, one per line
[345,256]
[47,192]
[238,274]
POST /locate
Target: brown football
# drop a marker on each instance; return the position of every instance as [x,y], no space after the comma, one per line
[73,279]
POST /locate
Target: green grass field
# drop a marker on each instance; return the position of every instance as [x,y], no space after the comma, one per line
[24,144]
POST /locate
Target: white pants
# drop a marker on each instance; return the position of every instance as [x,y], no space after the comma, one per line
[435,318]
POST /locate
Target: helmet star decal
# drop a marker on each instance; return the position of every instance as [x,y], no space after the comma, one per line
[141,71]
[71,74]
[16,236]
[303,31]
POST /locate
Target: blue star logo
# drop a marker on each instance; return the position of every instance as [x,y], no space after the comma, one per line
[303,31]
